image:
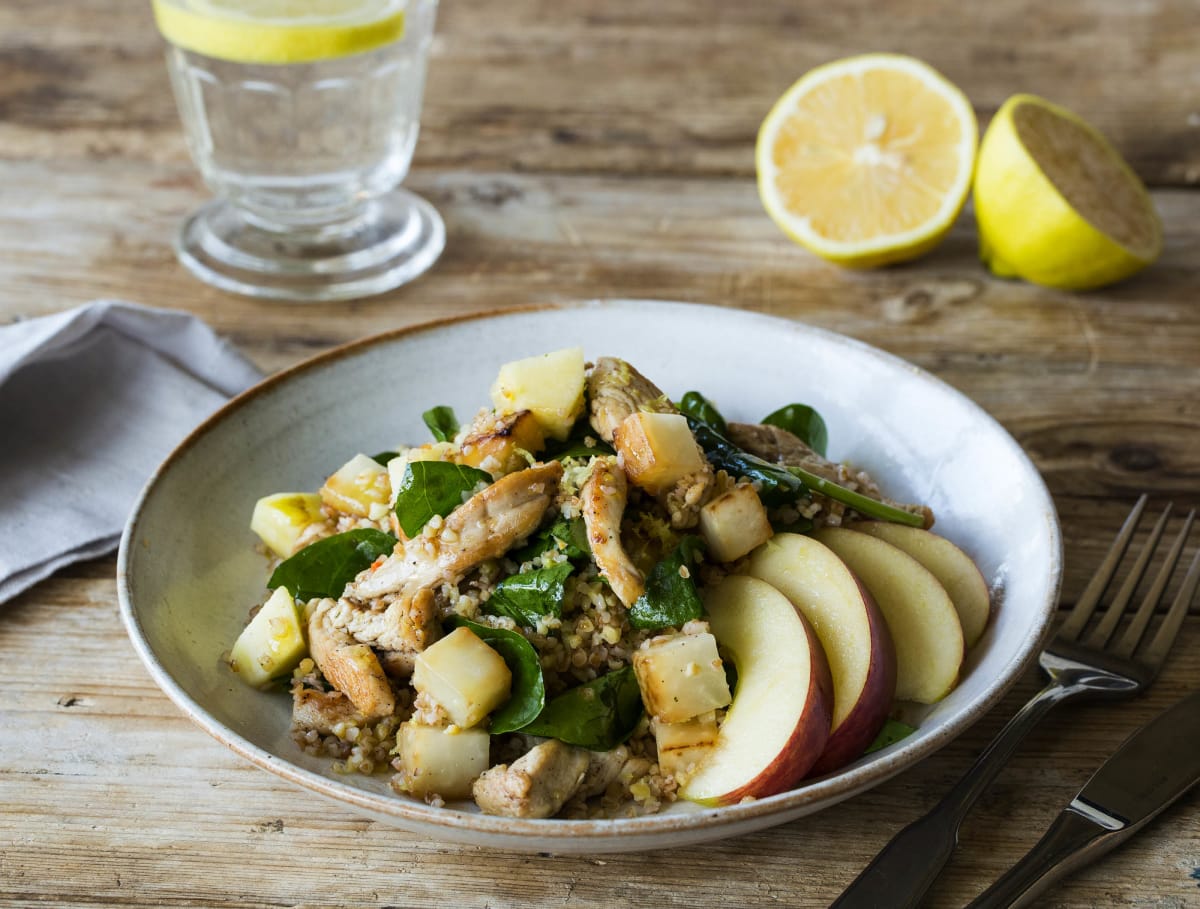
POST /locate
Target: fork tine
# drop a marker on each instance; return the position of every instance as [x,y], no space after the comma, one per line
[1156,653]
[1099,637]
[1137,627]
[1086,605]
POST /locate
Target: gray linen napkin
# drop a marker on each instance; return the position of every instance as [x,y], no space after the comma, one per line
[91,400]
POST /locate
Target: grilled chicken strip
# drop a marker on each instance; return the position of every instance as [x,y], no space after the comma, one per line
[537,784]
[615,390]
[771,443]
[602,500]
[322,710]
[349,666]
[484,527]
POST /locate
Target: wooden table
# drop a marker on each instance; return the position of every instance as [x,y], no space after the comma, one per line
[577,150]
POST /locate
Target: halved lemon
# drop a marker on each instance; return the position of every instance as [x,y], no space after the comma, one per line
[1055,202]
[280,31]
[867,160]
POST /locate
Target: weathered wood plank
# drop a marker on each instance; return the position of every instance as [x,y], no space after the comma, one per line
[672,88]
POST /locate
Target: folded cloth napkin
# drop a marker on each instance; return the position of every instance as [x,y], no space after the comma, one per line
[91,400]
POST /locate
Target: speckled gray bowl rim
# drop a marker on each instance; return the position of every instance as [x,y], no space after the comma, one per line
[590,835]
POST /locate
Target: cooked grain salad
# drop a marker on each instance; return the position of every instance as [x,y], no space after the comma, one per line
[517,611]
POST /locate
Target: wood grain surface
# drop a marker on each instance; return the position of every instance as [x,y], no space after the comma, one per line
[576,150]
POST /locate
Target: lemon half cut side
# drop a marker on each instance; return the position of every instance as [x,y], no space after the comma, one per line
[280,31]
[1056,204]
[867,160]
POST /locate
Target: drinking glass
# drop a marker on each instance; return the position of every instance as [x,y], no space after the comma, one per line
[305,160]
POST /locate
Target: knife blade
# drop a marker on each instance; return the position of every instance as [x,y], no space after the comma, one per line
[1154,767]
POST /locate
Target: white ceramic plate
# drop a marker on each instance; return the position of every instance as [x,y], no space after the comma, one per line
[188,570]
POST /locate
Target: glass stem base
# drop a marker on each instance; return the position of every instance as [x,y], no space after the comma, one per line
[389,242]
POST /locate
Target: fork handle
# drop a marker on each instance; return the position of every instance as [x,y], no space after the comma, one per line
[906,867]
[1072,841]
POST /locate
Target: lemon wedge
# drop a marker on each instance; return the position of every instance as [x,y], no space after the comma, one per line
[867,160]
[1055,202]
[280,31]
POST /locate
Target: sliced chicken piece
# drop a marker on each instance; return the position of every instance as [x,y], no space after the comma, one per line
[349,666]
[615,390]
[406,624]
[602,501]
[322,710]
[771,443]
[603,769]
[537,784]
[484,527]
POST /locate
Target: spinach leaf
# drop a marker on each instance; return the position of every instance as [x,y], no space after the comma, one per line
[576,446]
[441,422]
[528,687]
[776,484]
[598,715]
[568,535]
[694,404]
[804,423]
[670,597]
[324,568]
[433,487]
[384,456]
[865,505]
[526,597]
[892,732]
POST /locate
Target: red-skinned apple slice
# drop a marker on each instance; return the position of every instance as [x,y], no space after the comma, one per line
[956,571]
[852,632]
[778,723]
[919,613]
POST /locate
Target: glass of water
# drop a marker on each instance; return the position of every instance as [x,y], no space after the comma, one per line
[303,125]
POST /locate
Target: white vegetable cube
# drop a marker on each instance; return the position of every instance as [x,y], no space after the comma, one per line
[360,487]
[464,676]
[443,761]
[273,644]
[280,519]
[550,386]
[734,523]
[681,676]
[657,449]
[682,747]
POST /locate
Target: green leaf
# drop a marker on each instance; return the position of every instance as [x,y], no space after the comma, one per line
[804,423]
[384,456]
[892,732]
[324,568]
[694,404]
[598,715]
[865,505]
[670,598]
[526,597]
[441,422]
[431,488]
[576,445]
[528,687]
[567,535]
[776,484]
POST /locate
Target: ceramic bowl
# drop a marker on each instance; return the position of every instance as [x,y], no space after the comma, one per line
[188,570]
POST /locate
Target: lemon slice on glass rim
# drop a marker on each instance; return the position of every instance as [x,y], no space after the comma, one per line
[867,160]
[280,31]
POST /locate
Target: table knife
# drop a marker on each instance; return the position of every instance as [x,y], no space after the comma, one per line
[1155,766]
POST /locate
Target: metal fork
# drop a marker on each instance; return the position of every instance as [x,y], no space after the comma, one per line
[1077,666]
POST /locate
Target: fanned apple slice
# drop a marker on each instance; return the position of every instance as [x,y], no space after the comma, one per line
[956,571]
[778,724]
[852,632]
[919,613]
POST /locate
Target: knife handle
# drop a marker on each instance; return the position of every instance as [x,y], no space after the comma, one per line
[1077,837]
